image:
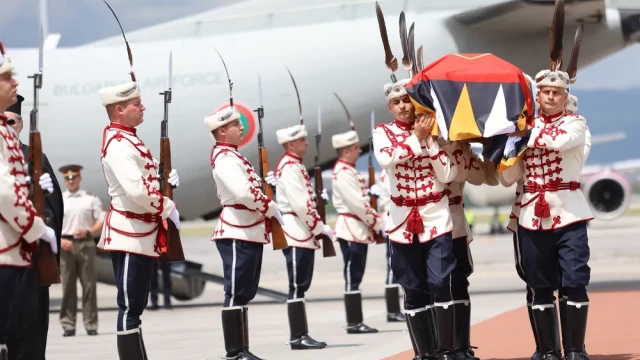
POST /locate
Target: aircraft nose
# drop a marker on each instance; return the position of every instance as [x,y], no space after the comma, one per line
[630,24]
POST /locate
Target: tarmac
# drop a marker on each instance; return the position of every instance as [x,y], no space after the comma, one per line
[192,330]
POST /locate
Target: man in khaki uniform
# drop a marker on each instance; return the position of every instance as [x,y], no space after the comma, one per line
[83,218]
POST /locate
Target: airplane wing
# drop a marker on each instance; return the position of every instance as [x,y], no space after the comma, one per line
[528,16]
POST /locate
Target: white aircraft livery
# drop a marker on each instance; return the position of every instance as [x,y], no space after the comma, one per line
[334,47]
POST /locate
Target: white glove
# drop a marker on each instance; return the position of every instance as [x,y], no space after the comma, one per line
[375,189]
[326,230]
[174,180]
[271,179]
[50,237]
[46,183]
[175,218]
[278,216]
[324,195]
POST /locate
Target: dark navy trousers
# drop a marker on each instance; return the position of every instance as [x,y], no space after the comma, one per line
[389,279]
[355,260]
[517,255]
[241,264]
[133,273]
[463,269]
[424,271]
[554,259]
[300,269]
[9,277]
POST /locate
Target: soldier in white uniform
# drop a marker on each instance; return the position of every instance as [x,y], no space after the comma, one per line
[83,218]
[133,228]
[475,171]
[391,286]
[303,227]
[356,225]
[419,223]
[241,232]
[20,225]
[552,218]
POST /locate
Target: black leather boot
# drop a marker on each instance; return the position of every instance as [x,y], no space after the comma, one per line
[446,335]
[130,346]
[167,299]
[4,352]
[413,341]
[245,320]
[233,332]
[392,298]
[536,355]
[144,349]
[463,331]
[299,329]
[154,301]
[423,339]
[546,324]
[576,329]
[353,308]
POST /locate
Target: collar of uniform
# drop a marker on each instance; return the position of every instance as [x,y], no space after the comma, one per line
[68,193]
[119,126]
[226,144]
[404,125]
[551,118]
[353,165]
[293,156]
[3,120]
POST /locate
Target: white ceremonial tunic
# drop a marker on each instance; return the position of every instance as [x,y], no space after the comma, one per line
[470,169]
[418,178]
[20,224]
[552,167]
[356,220]
[134,222]
[297,202]
[384,199]
[245,208]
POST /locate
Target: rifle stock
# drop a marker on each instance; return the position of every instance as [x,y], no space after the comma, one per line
[373,201]
[175,253]
[47,265]
[277,233]
[328,250]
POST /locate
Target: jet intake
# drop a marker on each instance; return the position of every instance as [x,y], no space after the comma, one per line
[608,194]
[630,25]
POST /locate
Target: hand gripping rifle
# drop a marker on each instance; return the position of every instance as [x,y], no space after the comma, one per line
[174,244]
[327,244]
[277,233]
[47,265]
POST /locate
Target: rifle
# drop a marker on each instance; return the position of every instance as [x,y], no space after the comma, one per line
[327,244]
[47,264]
[277,233]
[373,199]
[174,244]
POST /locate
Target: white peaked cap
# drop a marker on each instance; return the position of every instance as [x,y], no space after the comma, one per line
[119,93]
[572,103]
[345,139]
[395,90]
[221,118]
[552,78]
[291,133]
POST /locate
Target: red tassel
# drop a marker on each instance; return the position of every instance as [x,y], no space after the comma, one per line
[542,208]
[414,222]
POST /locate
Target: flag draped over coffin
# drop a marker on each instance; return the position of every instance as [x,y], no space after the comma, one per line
[477,95]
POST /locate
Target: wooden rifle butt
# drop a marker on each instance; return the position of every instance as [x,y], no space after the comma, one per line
[277,235]
[328,250]
[380,239]
[47,265]
[175,253]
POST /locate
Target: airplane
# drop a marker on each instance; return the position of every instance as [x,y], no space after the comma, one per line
[329,47]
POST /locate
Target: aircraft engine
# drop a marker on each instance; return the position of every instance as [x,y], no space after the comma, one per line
[608,193]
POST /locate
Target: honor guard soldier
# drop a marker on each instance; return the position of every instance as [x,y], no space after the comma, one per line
[355,227]
[391,287]
[419,223]
[475,171]
[240,233]
[552,218]
[302,228]
[133,226]
[20,225]
[83,218]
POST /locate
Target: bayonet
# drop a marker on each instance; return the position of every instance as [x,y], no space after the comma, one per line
[133,75]
[327,245]
[390,60]
[349,118]
[298,96]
